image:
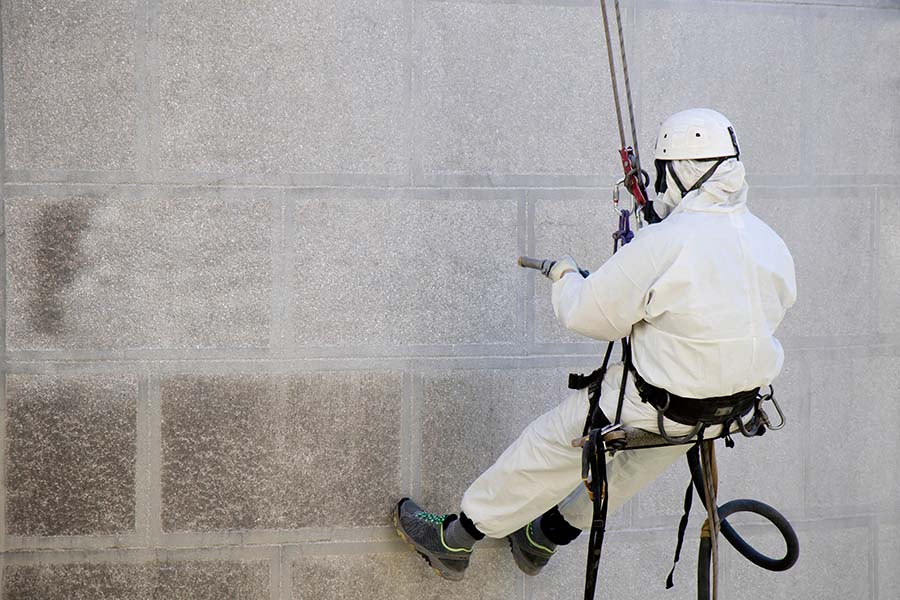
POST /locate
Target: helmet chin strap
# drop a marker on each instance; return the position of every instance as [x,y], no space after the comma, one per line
[703,178]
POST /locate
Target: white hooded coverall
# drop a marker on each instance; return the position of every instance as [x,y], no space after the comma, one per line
[701,294]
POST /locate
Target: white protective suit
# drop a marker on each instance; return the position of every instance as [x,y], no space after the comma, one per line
[701,294]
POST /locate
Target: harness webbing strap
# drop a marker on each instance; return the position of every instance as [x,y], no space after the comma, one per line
[593,465]
[595,451]
[592,381]
[693,458]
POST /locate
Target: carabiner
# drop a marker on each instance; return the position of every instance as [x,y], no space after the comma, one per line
[771,396]
[616,195]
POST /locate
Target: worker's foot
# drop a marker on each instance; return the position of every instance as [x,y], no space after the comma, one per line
[447,554]
[529,549]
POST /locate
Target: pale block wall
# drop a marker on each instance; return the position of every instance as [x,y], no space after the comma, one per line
[259,282]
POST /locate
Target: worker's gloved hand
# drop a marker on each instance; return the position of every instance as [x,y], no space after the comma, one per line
[560,268]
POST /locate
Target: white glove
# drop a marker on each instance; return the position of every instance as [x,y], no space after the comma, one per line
[561,267]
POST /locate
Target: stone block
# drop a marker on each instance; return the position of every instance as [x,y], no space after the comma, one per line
[261,452]
[888,262]
[581,227]
[843,50]
[198,580]
[403,272]
[513,89]
[633,565]
[90,272]
[70,85]
[491,575]
[854,449]
[833,563]
[470,417]
[70,455]
[888,559]
[278,87]
[833,261]
[748,44]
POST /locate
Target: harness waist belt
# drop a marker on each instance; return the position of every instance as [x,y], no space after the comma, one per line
[690,411]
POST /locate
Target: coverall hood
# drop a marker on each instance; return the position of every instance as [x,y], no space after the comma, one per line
[725,191]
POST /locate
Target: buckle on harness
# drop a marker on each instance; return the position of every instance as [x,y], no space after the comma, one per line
[617,439]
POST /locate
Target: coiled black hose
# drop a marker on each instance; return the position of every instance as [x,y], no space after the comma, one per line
[729,533]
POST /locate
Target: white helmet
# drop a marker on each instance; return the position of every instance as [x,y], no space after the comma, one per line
[695,134]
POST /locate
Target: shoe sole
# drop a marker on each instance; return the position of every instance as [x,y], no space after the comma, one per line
[448,575]
[527,569]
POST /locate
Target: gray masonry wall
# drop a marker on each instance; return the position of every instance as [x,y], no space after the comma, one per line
[259,282]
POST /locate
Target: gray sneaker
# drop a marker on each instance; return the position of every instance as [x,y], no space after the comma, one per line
[530,556]
[424,531]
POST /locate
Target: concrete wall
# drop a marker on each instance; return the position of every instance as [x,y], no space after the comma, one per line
[259,282]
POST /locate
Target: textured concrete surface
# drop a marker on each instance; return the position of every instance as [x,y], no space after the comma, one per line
[491,575]
[256,452]
[70,99]
[70,455]
[857,433]
[402,272]
[843,49]
[258,282]
[98,272]
[833,563]
[889,558]
[830,233]
[279,87]
[487,105]
[201,580]
[683,62]
[889,262]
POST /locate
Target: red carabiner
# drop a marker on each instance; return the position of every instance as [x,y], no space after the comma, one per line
[634,181]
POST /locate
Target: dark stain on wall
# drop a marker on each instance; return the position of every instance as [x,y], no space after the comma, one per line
[58,231]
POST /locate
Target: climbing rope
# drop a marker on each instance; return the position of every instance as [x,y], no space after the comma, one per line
[635,178]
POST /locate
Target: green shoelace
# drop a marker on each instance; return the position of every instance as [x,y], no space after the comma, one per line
[431,517]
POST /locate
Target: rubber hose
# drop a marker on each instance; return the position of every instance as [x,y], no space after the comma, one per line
[749,552]
[703,569]
[756,557]
[754,506]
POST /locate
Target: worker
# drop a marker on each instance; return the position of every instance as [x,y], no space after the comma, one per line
[700,294]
